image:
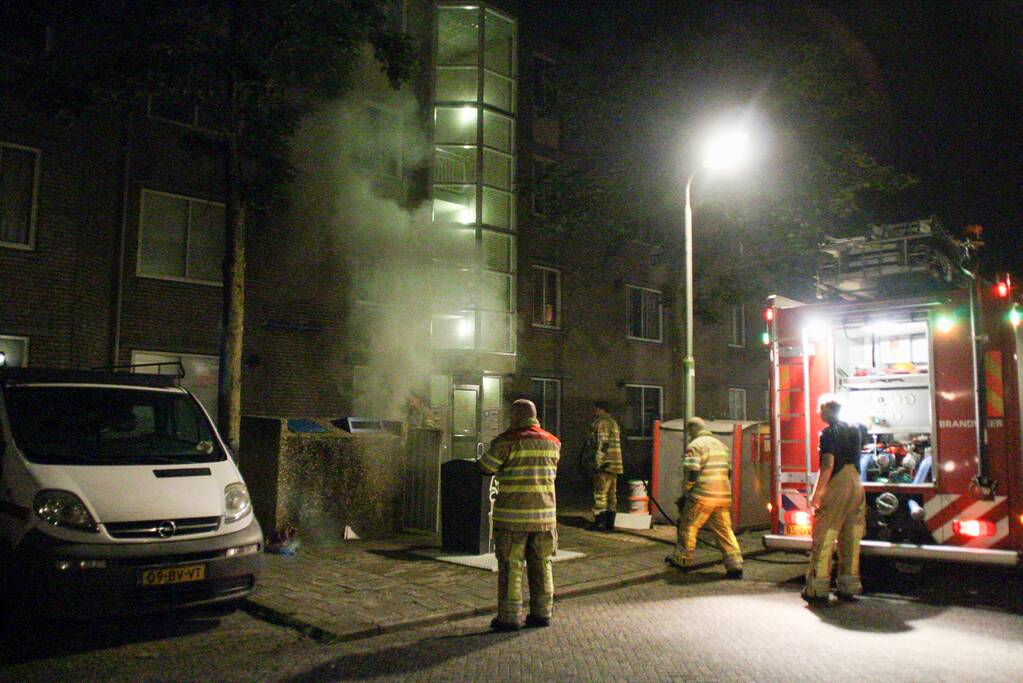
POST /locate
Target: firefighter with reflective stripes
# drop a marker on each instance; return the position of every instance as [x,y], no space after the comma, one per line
[708,500]
[607,440]
[524,460]
[840,510]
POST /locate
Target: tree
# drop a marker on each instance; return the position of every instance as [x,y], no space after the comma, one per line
[825,115]
[260,66]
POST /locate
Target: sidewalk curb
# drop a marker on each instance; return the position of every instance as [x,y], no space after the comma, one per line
[325,637]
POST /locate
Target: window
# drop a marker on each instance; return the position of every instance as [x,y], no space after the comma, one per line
[13,351]
[644,408]
[180,238]
[738,325]
[736,403]
[19,179]
[371,392]
[546,394]
[546,297]
[379,147]
[545,90]
[644,313]
[185,111]
[201,373]
[473,179]
[541,186]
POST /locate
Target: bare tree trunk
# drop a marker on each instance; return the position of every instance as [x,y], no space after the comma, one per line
[229,392]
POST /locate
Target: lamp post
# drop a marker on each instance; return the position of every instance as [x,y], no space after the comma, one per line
[689,362]
[725,150]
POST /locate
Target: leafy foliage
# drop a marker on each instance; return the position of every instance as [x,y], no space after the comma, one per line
[634,118]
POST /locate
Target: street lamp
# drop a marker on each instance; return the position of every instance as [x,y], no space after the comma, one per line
[724,151]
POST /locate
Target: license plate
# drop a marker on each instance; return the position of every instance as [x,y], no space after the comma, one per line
[798,530]
[167,575]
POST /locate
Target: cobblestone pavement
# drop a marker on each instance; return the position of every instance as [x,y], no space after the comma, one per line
[700,628]
[366,588]
[954,625]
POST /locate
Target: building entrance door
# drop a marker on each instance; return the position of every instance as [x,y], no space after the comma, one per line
[465,431]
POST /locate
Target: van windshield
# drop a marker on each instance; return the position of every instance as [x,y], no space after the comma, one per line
[101,426]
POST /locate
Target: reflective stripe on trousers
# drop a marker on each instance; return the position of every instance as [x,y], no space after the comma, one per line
[605,492]
[693,516]
[534,548]
[842,518]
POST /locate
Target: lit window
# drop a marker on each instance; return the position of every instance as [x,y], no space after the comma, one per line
[201,373]
[546,297]
[645,407]
[644,313]
[19,176]
[736,403]
[546,394]
[181,238]
[737,321]
[13,351]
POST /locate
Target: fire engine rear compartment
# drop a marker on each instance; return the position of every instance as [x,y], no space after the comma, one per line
[882,362]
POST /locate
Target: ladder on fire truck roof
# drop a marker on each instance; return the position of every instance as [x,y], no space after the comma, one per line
[791,352]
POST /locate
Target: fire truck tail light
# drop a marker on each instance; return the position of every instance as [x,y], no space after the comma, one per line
[768,314]
[973,528]
[798,517]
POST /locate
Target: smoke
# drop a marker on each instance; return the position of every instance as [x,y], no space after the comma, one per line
[364,242]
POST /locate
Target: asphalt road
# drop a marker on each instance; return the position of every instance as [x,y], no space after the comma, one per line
[962,624]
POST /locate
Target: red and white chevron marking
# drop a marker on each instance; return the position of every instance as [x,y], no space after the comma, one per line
[942,510]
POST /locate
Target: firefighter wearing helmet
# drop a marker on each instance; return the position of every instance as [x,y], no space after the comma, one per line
[840,507]
[606,440]
[708,499]
[525,461]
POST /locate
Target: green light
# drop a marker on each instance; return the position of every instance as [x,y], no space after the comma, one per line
[945,323]
[765,338]
[1015,317]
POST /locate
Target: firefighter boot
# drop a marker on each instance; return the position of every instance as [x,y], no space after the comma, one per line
[609,521]
[599,522]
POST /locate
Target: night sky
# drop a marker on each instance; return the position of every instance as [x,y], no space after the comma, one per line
[950,72]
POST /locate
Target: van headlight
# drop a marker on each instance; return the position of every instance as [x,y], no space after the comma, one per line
[64,509]
[236,502]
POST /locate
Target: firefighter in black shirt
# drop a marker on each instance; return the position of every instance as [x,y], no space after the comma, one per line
[840,510]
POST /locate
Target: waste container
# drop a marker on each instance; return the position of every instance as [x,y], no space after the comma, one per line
[465,507]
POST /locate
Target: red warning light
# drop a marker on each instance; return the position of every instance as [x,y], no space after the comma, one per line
[1002,289]
[768,314]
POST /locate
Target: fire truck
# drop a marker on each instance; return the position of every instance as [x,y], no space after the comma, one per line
[930,374]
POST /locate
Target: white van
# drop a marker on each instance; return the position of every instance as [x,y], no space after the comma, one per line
[118,494]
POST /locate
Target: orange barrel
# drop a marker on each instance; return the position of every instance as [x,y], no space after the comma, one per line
[638,501]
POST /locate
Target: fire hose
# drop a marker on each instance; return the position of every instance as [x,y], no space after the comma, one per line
[674,523]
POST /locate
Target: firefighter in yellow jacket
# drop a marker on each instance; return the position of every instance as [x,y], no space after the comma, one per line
[524,460]
[708,499]
[607,440]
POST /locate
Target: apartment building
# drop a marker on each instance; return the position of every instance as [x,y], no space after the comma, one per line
[410,277]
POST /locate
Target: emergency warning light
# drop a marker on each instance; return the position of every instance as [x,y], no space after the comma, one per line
[765,338]
[1015,316]
[798,517]
[973,527]
[1003,287]
[768,314]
